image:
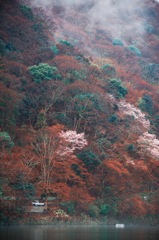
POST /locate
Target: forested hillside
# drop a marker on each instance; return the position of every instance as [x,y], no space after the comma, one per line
[79,110]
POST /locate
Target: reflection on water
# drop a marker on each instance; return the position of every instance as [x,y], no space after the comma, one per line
[78,233]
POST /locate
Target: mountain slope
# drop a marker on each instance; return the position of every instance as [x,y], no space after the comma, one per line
[79,110]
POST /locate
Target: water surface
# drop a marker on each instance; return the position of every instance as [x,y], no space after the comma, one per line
[78,232]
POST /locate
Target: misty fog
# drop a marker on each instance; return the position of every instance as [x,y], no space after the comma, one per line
[117,15]
[123,19]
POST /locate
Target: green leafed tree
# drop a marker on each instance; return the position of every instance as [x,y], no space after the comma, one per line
[117,42]
[43,71]
[116,87]
[5,141]
[109,70]
[150,73]
[26,11]
[135,50]
[146,104]
[89,158]
[105,209]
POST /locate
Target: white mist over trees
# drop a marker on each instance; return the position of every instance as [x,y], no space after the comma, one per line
[116,16]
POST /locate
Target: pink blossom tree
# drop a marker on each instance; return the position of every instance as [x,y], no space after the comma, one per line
[148,145]
[129,109]
[73,141]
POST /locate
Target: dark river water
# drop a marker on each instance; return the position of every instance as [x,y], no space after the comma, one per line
[78,233]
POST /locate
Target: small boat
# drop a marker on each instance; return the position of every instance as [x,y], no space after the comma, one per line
[119,225]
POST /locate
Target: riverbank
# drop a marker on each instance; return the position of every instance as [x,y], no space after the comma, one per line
[35,219]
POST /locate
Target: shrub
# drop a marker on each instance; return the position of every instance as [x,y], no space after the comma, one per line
[105,209]
[2,47]
[5,140]
[76,168]
[60,213]
[70,207]
[109,70]
[80,75]
[93,211]
[94,102]
[67,43]
[116,88]
[26,11]
[117,42]
[41,120]
[74,75]
[4,219]
[134,50]
[113,119]
[146,104]
[1,189]
[89,158]
[130,148]
[151,72]
[149,28]
[103,145]
[5,47]
[27,188]
[43,72]
[54,49]
[38,27]
[10,47]
[61,117]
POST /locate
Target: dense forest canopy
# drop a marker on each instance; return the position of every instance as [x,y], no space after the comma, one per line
[79,109]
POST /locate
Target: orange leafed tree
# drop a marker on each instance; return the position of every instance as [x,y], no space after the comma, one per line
[52,157]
